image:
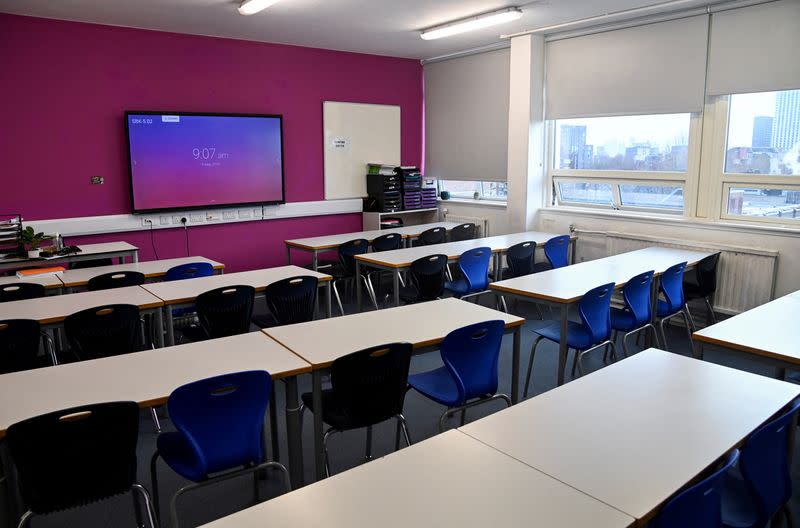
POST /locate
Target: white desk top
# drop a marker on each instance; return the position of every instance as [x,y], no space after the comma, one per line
[48,281]
[570,283]
[146,377]
[633,433]
[56,308]
[86,250]
[449,480]
[185,291]
[401,258]
[769,330]
[153,268]
[332,241]
[324,340]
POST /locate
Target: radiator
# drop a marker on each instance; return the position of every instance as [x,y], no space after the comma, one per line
[481,223]
[745,276]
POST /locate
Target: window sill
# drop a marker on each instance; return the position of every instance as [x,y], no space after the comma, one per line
[471,201]
[696,223]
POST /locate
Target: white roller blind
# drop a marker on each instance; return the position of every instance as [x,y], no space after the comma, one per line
[755,49]
[653,69]
[466,117]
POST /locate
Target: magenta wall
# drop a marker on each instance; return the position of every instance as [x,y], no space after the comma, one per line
[64,87]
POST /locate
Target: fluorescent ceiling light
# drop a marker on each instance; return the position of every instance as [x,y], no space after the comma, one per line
[251,7]
[472,23]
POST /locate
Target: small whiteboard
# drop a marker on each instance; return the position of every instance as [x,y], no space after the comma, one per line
[356,134]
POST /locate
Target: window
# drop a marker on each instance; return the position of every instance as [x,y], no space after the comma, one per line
[475,190]
[764,134]
[646,143]
[586,193]
[764,203]
[652,196]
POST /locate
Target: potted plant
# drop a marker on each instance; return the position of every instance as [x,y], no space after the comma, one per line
[32,240]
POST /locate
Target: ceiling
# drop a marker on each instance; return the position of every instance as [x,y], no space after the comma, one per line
[382,27]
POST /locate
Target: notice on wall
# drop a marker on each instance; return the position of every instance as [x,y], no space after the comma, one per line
[340,144]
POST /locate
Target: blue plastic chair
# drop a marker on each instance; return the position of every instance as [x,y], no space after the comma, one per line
[220,432]
[474,265]
[593,332]
[191,270]
[637,313]
[469,375]
[556,250]
[699,505]
[674,302]
[763,485]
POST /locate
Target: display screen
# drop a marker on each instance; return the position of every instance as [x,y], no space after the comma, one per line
[183,161]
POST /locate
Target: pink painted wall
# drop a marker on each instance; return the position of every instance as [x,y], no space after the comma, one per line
[64,87]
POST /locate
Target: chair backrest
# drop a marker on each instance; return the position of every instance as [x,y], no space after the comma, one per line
[226,311]
[370,384]
[428,275]
[117,279]
[19,345]
[18,291]
[463,232]
[191,270]
[103,331]
[348,252]
[557,251]
[671,285]
[520,258]
[387,242]
[470,354]
[595,312]
[223,418]
[706,271]
[765,465]
[699,505]
[637,294]
[292,300]
[94,263]
[435,235]
[474,264]
[76,456]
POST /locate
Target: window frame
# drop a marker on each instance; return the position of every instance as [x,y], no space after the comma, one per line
[483,198]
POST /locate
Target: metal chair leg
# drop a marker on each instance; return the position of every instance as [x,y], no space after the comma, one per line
[156,423]
[325,437]
[154,484]
[401,425]
[463,416]
[368,453]
[530,366]
[663,334]
[25,519]
[370,291]
[338,299]
[689,319]
[689,329]
[711,313]
[503,304]
[148,505]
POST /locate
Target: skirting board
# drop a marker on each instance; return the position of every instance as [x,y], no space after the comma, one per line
[95,225]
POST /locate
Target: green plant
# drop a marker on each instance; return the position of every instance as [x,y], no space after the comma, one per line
[32,240]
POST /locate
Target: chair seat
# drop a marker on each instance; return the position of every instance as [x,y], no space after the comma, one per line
[333,413]
[457,287]
[624,320]
[438,385]
[692,291]
[542,266]
[578,336]
[193,333]
[663,309]
[738,506]
[175,450]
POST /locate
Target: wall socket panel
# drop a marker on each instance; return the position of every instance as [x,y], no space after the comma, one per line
[229,215]
[245,213]
[196,218]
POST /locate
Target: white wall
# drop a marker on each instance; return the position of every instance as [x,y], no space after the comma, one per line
[497,214]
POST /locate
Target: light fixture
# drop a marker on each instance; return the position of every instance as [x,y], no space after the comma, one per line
[469,24]
[251,7]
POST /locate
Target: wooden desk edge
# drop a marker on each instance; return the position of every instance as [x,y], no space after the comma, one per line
[530,295]
[697,336]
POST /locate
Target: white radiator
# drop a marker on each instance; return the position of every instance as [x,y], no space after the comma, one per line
[745,276]
[481,223]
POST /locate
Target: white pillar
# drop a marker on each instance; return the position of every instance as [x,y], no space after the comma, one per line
[526,132]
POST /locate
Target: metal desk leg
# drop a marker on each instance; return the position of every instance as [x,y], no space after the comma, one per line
[135,256]
[357,286]
[169,324]
[314,260]
[562,345]
[319,455]
[515,364]
[159,322]
[573,251]
[699,351]
[328,304]
[396,285]
[293,435]
[288,255]
[648,336]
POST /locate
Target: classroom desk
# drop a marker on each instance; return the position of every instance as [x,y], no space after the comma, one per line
[183,293]
[768,332]
[52,310]
[447,480]
[400,259]
[50,282]
[424,325]
[148,378]
[119,250]
[633,433]
[152,269]
[565,286]
[316,245]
